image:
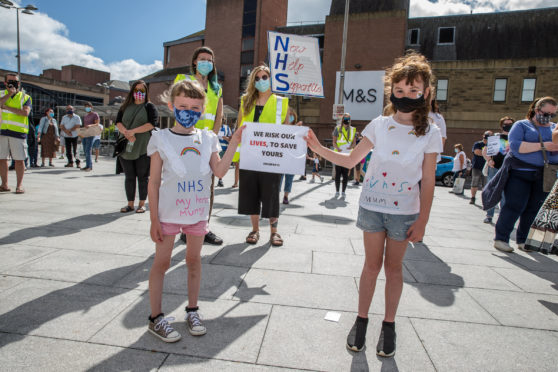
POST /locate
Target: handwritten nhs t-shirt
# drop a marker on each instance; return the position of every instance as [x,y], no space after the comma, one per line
[395,168]
[186,180]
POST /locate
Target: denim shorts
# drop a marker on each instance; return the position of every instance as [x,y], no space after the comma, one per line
[395,225]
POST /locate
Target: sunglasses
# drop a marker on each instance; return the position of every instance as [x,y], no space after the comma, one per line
[139,90]
[12,83]
[265,77]
[548,115]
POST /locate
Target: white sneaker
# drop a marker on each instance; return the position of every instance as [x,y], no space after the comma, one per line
[337,194]
[521,247]
[502,246]
[343,195]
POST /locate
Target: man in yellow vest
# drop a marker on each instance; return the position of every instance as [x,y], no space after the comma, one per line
[343,139]
[204,71]
[14,126]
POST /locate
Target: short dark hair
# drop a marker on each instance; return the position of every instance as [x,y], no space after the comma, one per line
[11,74]
[88,104]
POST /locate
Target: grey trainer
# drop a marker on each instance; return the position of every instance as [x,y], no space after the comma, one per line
[161,328]
[195,324]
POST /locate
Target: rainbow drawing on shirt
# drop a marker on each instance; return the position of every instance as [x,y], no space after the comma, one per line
[391,127]
[412,131]
[189,149]
[395,152]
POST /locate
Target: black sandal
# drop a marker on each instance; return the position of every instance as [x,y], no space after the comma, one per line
[126,209]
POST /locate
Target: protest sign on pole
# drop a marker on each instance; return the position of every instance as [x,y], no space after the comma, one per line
[492,145]
[273,148]
[295,64]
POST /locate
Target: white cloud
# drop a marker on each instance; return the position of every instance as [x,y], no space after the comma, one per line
[427,8]
[45,43]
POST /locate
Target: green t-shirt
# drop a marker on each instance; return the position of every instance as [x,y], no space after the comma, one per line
[135,116]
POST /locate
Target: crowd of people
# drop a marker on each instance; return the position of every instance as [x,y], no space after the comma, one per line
[175,169]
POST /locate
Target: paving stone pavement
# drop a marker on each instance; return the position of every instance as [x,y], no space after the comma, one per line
[74,271]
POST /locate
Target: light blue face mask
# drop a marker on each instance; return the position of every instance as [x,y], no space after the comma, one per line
[204,67]
[186,118]
[88,109]
[262,85]
[291,118]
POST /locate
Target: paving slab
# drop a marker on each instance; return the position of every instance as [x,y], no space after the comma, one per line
[493,258]
[234,329]
[298,289]
[14,255]
[47,354]
[180,363]
[532,281]
[85,267]
[264,256]
[317,344]
[458,275]
[519,309]
[346,265]
[218,281]
[60,310]
[455,346]
[7,282]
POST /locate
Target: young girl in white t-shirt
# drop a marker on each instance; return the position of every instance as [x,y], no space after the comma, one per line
[394,209]
[182,160]
[316,167]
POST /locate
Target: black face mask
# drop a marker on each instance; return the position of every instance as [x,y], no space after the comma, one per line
[346,121]
[12,83]
[407,104]
[507,128]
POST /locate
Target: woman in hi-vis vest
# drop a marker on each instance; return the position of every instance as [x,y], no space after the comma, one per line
[203,70]
[259,191]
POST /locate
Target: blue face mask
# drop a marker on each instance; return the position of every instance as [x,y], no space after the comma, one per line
[291,119]
[186,118]
[88,109]
[204,67]
[51,114]
[262,85]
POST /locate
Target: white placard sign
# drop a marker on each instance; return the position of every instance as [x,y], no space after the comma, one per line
[295,64]
[273,148]
[492,145]
[363,94]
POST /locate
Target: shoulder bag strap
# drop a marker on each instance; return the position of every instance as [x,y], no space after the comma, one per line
[545,156]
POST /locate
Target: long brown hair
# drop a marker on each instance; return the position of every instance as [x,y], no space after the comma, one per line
[130,97]
[538,103]
[412,67]
[251,93]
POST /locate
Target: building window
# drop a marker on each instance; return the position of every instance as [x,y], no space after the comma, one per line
[442,90]
[446,35]
[247,57]
[245,70]
[528,91]
[500,86]
[248,44]
[414,36]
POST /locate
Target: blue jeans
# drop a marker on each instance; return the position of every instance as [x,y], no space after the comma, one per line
[524,196]
[491,173]
[288,182]
[87,145]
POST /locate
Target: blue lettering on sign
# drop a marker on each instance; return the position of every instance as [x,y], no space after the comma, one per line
[284,85]
[285,46]
[281,61]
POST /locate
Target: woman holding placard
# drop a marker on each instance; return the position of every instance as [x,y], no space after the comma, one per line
[259,191]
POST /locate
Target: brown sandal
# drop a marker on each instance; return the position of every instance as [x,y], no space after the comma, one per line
[253,237]
[141,209]
[276,240]
[5,189]
[20,190]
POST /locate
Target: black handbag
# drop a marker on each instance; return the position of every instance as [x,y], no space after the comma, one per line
[119,146]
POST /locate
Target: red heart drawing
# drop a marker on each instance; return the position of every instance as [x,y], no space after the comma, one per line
[393,183]
[396,203]
[384,174]
[409,188]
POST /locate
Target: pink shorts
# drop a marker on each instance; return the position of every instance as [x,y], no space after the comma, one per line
[198,229]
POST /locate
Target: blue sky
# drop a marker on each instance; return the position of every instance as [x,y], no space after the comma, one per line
[126,37]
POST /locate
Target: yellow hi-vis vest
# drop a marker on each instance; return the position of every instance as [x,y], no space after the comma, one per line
[274,112]
[207,120]
[344,138]
[11,121]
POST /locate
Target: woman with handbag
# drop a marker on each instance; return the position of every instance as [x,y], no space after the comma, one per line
[531,143]
[48,137]
[136,119]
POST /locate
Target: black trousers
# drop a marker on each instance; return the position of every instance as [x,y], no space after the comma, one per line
[340,171]
[136,169]
[71,142]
